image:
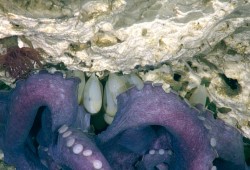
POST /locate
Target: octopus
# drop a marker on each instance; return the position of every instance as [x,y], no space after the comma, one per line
[43,127]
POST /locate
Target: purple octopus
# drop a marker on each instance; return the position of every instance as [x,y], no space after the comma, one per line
[42,127]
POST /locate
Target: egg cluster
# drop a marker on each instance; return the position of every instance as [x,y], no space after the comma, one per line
[93,96]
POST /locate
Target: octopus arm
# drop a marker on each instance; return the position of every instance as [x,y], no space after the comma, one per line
[52,92]
[194,139]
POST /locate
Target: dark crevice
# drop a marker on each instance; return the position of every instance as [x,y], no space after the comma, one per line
[247,150]
[59,66]
[205,81]
[177,77]
[232,83]
[212,106]
[31,140]
[222,164]
[224,110]
[145,68]
[233,86]
[231,52]
[4,86]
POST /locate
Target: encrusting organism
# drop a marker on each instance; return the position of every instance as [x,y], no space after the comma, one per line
[20,61]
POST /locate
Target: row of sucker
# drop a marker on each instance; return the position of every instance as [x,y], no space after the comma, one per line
[80,148]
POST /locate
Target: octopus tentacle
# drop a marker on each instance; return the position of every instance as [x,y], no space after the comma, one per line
[190,141]
[42,127]
[226,141]
[52,91]
[77,150]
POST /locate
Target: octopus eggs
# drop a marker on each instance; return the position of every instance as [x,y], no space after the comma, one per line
[94,95]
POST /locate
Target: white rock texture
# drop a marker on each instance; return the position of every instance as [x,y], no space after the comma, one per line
[201,41]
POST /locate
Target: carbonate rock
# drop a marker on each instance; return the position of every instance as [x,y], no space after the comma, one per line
[119,35]
[180,43]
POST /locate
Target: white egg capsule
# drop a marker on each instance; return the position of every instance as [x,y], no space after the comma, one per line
[92,99]
[81,76]
[199,96]
[108,119]
[109,105]
[117,85]
[134,79]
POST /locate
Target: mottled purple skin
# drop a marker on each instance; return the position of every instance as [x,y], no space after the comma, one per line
[147,120]
[61,152]
[51,91]
[19,109]
[178,125]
